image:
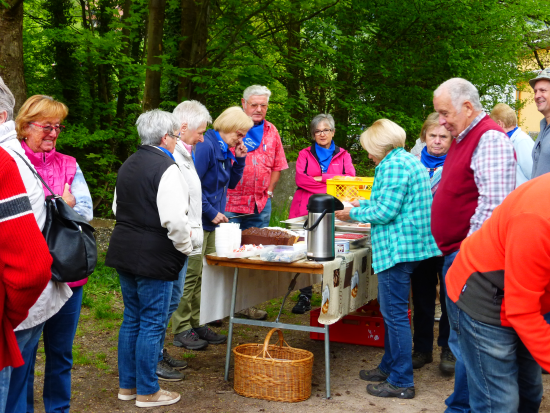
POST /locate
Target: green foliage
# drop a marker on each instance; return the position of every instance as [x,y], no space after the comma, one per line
[359,60]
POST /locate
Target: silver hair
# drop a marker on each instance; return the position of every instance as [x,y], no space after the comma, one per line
[193,113]
[460,91]
[318,119]
[7,101]
[256,90]
[153,125]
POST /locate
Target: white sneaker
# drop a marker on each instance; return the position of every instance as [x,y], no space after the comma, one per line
[160,398]
[127,394]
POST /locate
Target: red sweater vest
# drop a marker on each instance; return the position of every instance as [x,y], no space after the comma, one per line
[456,198]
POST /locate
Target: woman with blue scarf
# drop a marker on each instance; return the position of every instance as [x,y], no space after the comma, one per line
[321,161]
[424,278]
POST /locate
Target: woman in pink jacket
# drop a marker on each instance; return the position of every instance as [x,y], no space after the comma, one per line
[321,161]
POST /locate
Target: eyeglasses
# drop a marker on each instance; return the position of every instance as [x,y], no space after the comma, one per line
[48,129]
[240,134]
[256,106]
[176,137]
[324,131]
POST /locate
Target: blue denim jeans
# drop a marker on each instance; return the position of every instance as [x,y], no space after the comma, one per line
[146,302]
[59,332]
[459,401]
[258,220]
[394,285]
[5,375]
[503,377]
[177,292]
[18,393]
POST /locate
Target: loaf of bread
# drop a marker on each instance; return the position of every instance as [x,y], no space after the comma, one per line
[269,236]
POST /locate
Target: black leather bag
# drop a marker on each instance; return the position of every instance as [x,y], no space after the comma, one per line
[69,237]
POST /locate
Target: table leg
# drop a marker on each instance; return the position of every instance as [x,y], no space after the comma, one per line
[327,361]
[231,317]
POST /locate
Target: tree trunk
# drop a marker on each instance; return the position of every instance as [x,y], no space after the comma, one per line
[11,50]
[151,96]
[192,47]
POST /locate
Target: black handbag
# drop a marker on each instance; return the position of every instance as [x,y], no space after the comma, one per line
[70,238]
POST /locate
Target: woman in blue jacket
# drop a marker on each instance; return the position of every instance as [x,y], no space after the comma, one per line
[218,170]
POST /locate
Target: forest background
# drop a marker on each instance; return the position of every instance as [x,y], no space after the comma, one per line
[360,60]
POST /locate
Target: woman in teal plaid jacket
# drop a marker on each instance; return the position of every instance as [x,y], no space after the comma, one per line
[399,214]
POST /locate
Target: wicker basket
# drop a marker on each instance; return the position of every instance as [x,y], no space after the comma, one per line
[273,372]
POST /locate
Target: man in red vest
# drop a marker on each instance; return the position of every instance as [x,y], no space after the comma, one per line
[480,171]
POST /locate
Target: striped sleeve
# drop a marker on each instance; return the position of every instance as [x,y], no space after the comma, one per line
[14,207]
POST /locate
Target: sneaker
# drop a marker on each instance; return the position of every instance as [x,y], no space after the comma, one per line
[420,359]
[205,333]
[448,360]
[160,398]
[253,313]
[190,340]
[303,305]
[373,375]
[172,362]
[216,323]
[127,394]
[389,390]
[167,373]
[437,315]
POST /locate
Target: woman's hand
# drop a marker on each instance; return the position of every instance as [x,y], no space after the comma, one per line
[240,150]
[343,215]
[356,203]
[318,178]
[68,197]
[219,218]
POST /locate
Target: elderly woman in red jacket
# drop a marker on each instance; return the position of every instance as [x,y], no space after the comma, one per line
[321,161]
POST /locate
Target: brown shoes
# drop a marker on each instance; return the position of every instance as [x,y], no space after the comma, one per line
[160,398]
[127,394]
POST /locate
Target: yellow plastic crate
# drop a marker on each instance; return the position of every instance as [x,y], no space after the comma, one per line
[350,189]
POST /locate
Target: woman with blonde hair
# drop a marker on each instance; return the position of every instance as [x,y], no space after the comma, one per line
[218,169]
[399,213]
[57,311]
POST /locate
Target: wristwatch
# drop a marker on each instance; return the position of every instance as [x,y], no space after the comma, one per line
[269,194]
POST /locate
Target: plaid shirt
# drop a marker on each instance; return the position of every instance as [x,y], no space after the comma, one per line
[399,211]
[252,189]
[494,166]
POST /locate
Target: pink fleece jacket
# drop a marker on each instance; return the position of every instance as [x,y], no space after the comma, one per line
[307,167]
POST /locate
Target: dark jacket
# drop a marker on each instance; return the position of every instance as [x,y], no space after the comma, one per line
[139,244]
[216,175]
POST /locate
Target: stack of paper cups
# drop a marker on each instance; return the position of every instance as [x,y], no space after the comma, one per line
[228,238]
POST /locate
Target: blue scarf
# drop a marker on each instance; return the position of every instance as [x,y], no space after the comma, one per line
[325,155]
[431,162]
[254,137]
[512,132]
[223,146]
[167,152]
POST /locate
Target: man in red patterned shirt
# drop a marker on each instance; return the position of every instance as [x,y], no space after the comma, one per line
[264,162]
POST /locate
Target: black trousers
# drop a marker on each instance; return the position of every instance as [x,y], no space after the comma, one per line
[423,285]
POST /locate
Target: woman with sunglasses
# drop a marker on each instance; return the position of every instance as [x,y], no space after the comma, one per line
[57,311]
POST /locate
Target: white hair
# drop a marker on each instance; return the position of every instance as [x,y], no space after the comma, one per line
[153,125]
[318,119]
[193,113]
[256,90]
[460,91]
[7,101]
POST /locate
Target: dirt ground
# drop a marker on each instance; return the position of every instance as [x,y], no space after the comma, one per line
[95,379]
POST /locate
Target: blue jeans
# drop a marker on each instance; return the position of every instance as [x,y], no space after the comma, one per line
[59,332]
[177,292]
[258,220]
[17,395]
[503,377]
[394,285]
[459,401]
[5,375]
[146,302]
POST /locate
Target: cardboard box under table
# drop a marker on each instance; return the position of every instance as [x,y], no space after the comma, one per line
[348,284]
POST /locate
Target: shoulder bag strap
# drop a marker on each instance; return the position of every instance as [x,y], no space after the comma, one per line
[37,175]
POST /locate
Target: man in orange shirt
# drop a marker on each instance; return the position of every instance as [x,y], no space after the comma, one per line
[499,301]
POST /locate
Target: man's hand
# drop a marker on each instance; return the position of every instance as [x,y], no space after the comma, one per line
[68,197]
[219,218]
[318,178]
[240,150]
[343,215]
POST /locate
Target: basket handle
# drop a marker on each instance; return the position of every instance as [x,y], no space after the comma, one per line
[268,337]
